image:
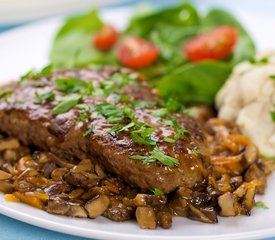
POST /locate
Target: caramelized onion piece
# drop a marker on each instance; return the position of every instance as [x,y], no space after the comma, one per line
[4,175]
[6,187]
[9,144]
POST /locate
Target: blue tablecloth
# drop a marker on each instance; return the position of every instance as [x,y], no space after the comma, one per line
[11,229]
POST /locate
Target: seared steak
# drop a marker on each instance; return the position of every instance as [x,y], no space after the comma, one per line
[34,123]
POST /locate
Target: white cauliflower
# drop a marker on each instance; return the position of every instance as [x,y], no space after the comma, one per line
[248,98]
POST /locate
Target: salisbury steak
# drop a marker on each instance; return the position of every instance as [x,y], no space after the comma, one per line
[110,116]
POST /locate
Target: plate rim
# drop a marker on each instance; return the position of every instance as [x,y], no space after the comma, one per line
[93,233]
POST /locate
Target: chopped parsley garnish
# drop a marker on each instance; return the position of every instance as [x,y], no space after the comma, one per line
[261,204]
[120,128]
[272,77]
[157,192]
[110,111]
[83,110]
[143,104]
[173,122]
[44,97]
[272,113]
[5,93]
[71,85]
[195,152]
[88,131]
[143,136]
[161,112]
[157,155]
[66,104]
[45,71]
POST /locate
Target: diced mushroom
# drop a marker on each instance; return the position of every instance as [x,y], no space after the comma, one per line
[149,200]
[84,166]
[251,154]
[146,217]
[4,175]
[253,173]
[61,207]
[206,215]
[248,200]
[9,144]
[56,188]
[224,184]
[229,205]
[59,161]
[236,181]
[81,179]
[100,173]
[179,206]
[97,206]
[58,173]
[164,218]
[119,213]
[48,169]
[76,193]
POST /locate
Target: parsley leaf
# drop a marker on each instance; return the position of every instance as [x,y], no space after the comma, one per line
[157,155]
[173,122]
[261,204]
[157,192]
[110,111]
[71,85]
[143,136]
[272,113]
[31,74]
[143,104]
[195,152]
[120,128]
[66,105]
[84,110]
[5,93]
[272,77]
[88,131]
[44,97]
[162,112]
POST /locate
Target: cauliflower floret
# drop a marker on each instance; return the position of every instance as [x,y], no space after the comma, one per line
[248,98]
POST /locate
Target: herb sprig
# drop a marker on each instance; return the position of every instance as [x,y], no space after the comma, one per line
[157,192]
[261,204]
[157,156]
[44,97]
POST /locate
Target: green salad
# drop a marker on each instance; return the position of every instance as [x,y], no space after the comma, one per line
[171,47]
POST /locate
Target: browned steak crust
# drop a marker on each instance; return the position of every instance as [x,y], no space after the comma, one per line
[63,134]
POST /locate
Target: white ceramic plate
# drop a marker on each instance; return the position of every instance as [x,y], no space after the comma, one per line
[17,11]
[28,47]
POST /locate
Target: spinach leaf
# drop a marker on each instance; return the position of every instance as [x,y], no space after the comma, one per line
[72,45]
[195,82]
[180,15]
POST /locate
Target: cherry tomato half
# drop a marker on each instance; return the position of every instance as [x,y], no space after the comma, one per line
[216,44]
[106,38]
[137,53]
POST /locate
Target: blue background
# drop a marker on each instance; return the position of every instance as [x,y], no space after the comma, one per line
[11,229]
